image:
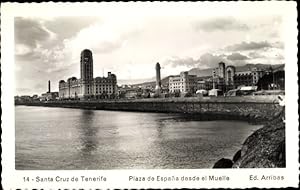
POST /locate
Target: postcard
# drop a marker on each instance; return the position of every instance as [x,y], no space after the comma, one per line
[118,95]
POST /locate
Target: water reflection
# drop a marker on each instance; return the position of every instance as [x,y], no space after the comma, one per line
[95,139]
[87,132]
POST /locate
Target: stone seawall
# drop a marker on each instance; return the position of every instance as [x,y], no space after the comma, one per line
[250,109]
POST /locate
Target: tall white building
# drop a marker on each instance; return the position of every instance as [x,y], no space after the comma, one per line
[88,87]
[183,83]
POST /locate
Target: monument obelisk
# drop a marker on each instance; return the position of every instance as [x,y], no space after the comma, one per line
[158,80]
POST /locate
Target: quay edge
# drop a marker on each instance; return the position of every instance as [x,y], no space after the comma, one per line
[245,108]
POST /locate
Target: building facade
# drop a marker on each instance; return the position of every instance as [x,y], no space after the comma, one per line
[49,96]
[248,78]
[184,83]
[229,77]
[87,87]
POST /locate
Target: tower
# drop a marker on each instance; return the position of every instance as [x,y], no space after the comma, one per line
[49,86]
[158,80]
[221,79]
[86,65]
[86,73]
[222,70]
[230,72]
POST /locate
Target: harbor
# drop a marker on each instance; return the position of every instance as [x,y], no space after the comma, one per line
[97,139]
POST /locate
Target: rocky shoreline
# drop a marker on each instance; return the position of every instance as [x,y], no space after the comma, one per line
[265,148]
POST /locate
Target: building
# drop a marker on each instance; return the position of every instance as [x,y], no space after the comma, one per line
[183,83]
[205,83]
[87,87]
[231,77]
[23,99]
[273,79]
[218,77]
[228,78]
[35,97]
[48,96]
[249,77]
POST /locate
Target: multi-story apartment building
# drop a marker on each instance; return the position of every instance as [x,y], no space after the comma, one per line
[183,83]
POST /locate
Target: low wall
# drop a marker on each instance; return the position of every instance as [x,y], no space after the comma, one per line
[252,108]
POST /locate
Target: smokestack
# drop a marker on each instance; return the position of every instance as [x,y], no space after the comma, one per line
[49,86]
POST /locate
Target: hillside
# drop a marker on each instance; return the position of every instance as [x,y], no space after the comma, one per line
[164,81]
[201,72]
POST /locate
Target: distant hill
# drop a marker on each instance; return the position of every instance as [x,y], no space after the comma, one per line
[201,72]
[164,81]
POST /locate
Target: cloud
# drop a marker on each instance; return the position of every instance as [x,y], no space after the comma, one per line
[22,91]
[187,61]
[68,27]
[237,56]
[41,86]
[53,52]
[262,52]
[102,41]
[21,49]
[244,46]
[206,60]
[279,45]
[102,38]
[107,47]
[29,32]
[256,55]
[38,46]
[55,57]
[220,24]
[210,60]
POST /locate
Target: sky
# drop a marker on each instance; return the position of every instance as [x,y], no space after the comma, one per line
[129,45]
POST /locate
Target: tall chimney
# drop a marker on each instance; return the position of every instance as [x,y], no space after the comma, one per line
[49,86]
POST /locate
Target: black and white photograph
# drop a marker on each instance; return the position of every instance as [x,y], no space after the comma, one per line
[152,86]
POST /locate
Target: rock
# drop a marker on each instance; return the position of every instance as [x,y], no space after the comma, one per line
[256,116]
[278,155]
[276,114]
[247,115]
[237,156]
[265,148]
[223,163]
